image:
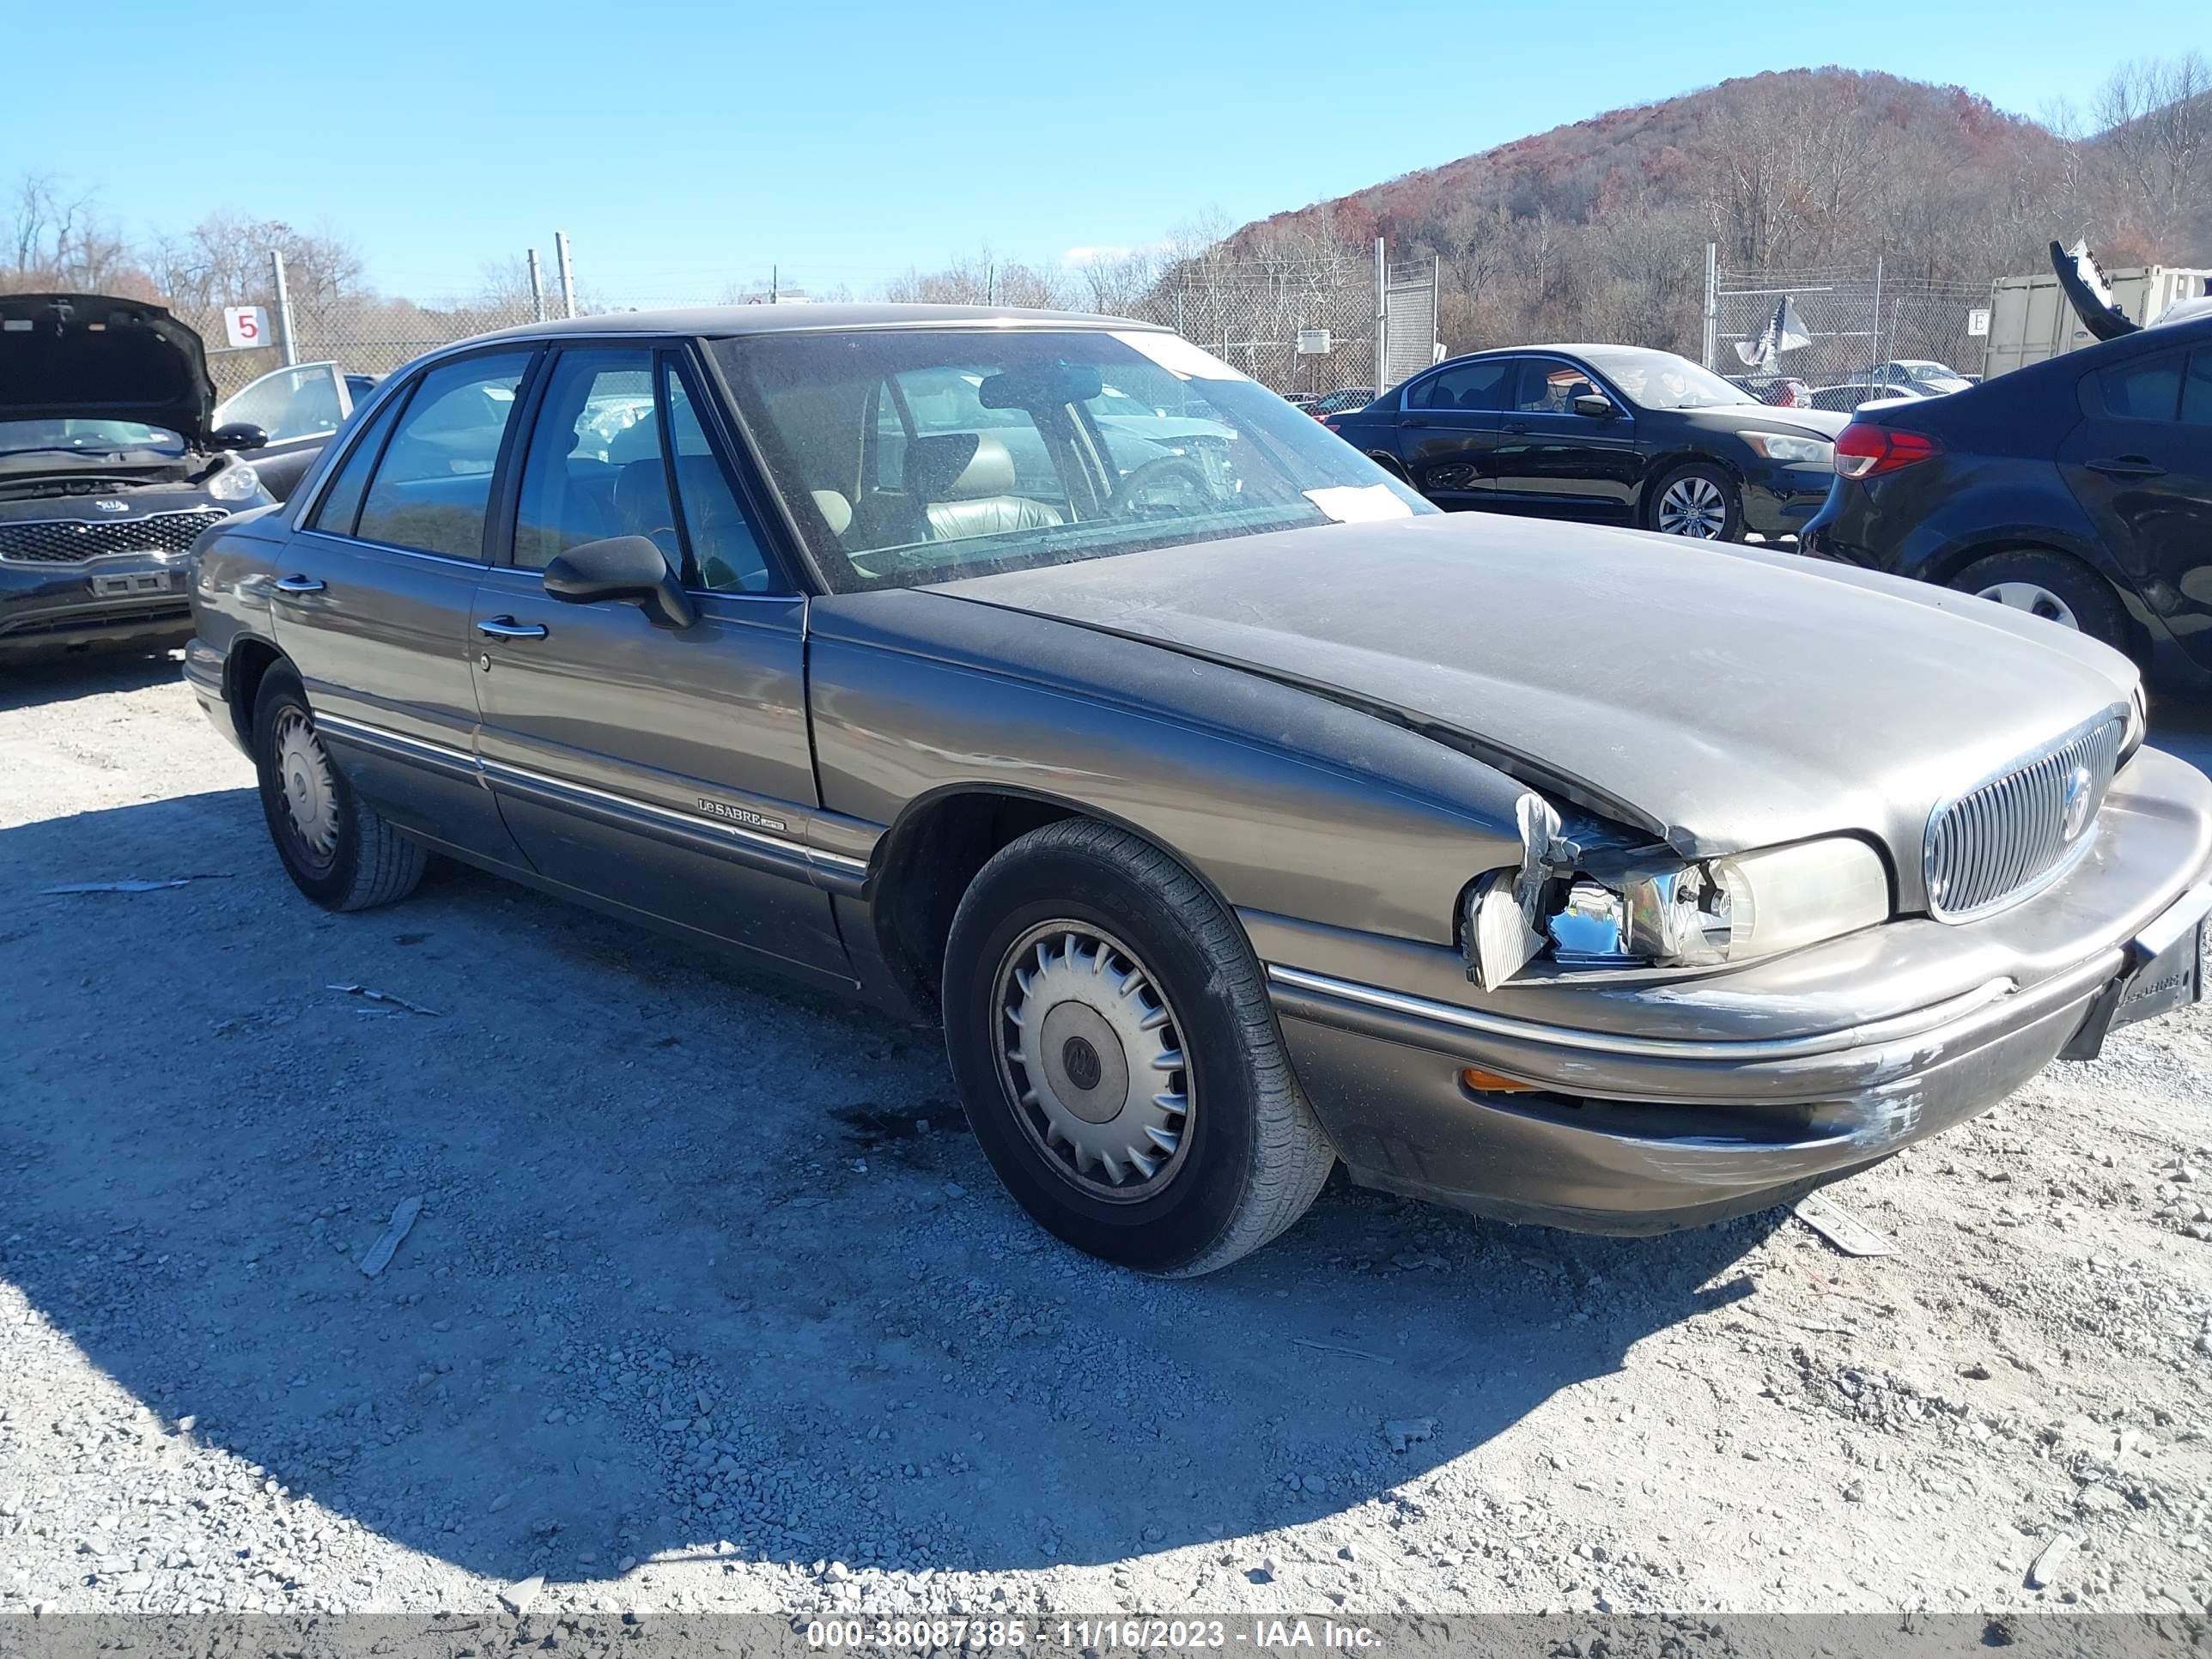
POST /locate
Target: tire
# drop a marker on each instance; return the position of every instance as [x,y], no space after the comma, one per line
[1073,907]
[2052,586]
[1688,496]
[338,852]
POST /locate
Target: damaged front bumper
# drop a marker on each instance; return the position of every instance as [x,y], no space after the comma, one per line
[1651,1101]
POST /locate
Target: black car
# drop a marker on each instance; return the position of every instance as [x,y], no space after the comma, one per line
[108,472]
[2079,488]
[1615,435]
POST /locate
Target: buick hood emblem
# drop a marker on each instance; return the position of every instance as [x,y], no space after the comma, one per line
[2074,805]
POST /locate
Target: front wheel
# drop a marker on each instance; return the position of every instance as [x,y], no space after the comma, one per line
[1700,501]
[1114,1045]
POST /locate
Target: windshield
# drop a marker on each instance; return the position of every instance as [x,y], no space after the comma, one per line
[86,438]
[1660,379]
[911,456]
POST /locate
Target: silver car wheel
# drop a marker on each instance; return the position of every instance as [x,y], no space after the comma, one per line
[1092,1053]
[2034,598]
[311,796]
[1693,506]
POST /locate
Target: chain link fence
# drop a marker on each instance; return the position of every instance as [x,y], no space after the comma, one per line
[1313,326]
[1308,327]
[1858,317]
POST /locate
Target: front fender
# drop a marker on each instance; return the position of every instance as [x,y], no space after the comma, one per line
[1282,801]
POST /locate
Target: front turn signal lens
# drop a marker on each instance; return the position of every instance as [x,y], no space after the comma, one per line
[1490,1082]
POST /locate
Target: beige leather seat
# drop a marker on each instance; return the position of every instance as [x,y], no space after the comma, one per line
[963,482]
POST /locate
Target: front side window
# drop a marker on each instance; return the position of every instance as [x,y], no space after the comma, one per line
[433,486]
[2149,390]
[1480,387]
[1077,443]
[1548,385]
[597,468]
[291,403]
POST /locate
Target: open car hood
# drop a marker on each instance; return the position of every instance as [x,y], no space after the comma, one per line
[93,357]
[1720,698]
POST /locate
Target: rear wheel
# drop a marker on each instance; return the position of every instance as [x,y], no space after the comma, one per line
[2051,586]
[338,852]
[1119,1059]
[1699,500]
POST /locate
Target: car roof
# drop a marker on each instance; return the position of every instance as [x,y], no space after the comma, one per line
[723,321]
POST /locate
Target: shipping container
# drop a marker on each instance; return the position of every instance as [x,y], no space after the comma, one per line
[2031,320]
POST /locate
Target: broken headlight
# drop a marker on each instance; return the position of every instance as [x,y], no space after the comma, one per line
[1590,904]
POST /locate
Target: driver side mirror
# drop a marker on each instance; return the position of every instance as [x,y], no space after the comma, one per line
[238,435]
[1596,405]
[629,568]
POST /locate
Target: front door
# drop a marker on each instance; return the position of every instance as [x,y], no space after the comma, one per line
[665,769]
[1448,430]
[372,602]
[1553,459]
[2141,464]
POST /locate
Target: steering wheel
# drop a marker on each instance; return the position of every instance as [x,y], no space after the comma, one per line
[1146,474]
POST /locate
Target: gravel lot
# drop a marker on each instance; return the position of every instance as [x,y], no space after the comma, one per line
[713,1303]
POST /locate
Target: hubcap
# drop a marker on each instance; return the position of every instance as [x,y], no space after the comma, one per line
[1091,1054]
[311,802]
[1693,506]
[2036,600]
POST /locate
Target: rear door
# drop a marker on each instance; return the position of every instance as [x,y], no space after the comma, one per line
[2140,463]
[372,602]
[665,769]
[1448,429]
[1550,460]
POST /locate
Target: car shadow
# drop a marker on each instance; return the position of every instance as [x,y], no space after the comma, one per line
[699,1261]
[41,680]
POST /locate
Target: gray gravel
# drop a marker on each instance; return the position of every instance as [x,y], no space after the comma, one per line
[711,1304]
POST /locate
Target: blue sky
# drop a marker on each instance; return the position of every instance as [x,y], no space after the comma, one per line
[687,147]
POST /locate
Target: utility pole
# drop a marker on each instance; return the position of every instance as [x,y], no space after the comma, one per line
[536,289]
[567,273]
[1712,302]
[775,282]
[1381,316]
[287,352]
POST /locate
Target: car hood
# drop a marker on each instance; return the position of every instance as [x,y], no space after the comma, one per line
[89,357]
[1722,698]
[1769,417]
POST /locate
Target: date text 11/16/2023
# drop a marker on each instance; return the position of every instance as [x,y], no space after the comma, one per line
[1255,1635]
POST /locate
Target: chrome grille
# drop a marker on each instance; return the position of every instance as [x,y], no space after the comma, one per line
[2009,838]
[72,541]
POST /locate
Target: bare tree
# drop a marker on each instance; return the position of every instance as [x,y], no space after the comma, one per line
[2156,117]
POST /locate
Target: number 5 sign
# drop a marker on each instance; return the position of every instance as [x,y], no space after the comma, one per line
[246,326]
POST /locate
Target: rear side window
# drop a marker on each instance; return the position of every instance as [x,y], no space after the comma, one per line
[341,503]
[433,484]
[1475,386]
[2147,390]
[2196,390]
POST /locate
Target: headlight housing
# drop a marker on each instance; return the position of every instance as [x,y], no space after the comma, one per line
[1791,451]
[1628,910]
[238,482]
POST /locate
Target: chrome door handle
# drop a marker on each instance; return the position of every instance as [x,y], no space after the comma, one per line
[297,585]
[506,627]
